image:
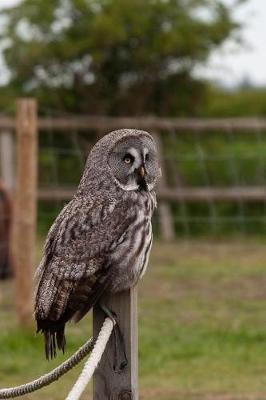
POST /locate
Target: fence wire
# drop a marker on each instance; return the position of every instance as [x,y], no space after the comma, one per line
[196,159]
[191,160]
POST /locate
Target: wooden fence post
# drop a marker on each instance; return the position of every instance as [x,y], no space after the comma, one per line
[24,229]
[165,218]
[7,159]
[108,384]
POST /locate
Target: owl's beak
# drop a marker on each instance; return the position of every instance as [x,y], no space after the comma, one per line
[141,172]
[141,178]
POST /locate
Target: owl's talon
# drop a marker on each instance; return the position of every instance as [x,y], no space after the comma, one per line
[120,358]
[110,314]
[120,351]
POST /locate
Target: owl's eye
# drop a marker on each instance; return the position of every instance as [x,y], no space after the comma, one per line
[128,159]
[147,157]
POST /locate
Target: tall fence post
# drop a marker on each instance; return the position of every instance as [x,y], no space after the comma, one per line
[166,224]
[7,158]
[24,228]
[108,384]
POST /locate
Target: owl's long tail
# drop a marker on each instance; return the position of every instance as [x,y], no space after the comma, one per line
[54,337]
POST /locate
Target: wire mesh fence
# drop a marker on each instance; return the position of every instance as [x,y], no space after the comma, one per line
[213,171]
[213,179]
[229,167]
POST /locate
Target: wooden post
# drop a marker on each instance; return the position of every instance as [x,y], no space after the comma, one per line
[7,159]
[24,229]
[108,384]
[165,218]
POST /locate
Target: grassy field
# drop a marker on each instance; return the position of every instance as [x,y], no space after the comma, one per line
[202,326]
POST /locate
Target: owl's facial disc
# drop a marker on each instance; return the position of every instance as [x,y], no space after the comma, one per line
[132,163]
[135,174]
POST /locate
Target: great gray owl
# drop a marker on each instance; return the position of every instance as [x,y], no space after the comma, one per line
[101,239]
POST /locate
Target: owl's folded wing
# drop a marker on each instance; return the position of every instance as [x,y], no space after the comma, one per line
[76,268]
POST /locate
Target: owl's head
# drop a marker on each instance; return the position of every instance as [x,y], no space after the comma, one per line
[133,161]
[127,156]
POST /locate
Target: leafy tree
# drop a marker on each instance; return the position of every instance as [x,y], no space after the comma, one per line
[113,56]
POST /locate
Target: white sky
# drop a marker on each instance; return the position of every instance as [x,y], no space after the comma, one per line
[232,63]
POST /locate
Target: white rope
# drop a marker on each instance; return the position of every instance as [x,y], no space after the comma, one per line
[93,360]
[91,364]
[47,379]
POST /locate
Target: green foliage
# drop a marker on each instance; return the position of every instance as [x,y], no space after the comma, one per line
[114,56]
[250,102]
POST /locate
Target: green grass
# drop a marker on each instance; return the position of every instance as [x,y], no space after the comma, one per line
[202,327]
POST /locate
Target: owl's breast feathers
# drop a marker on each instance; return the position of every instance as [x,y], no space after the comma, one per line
[91,248]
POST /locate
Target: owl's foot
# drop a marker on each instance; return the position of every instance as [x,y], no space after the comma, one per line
[120,358]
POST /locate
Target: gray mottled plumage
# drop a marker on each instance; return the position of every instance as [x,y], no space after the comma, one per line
[101,239]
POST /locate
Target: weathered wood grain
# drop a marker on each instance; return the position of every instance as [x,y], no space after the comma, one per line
[108,384]
[105,124]
[24,228]
[188,194]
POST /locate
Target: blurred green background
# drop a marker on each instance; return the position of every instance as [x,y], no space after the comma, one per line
[203,335]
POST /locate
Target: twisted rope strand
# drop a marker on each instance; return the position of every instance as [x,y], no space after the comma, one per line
[93,361]
[51,376]
[66,366]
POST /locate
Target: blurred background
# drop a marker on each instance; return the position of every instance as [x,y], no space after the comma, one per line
[193,73]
